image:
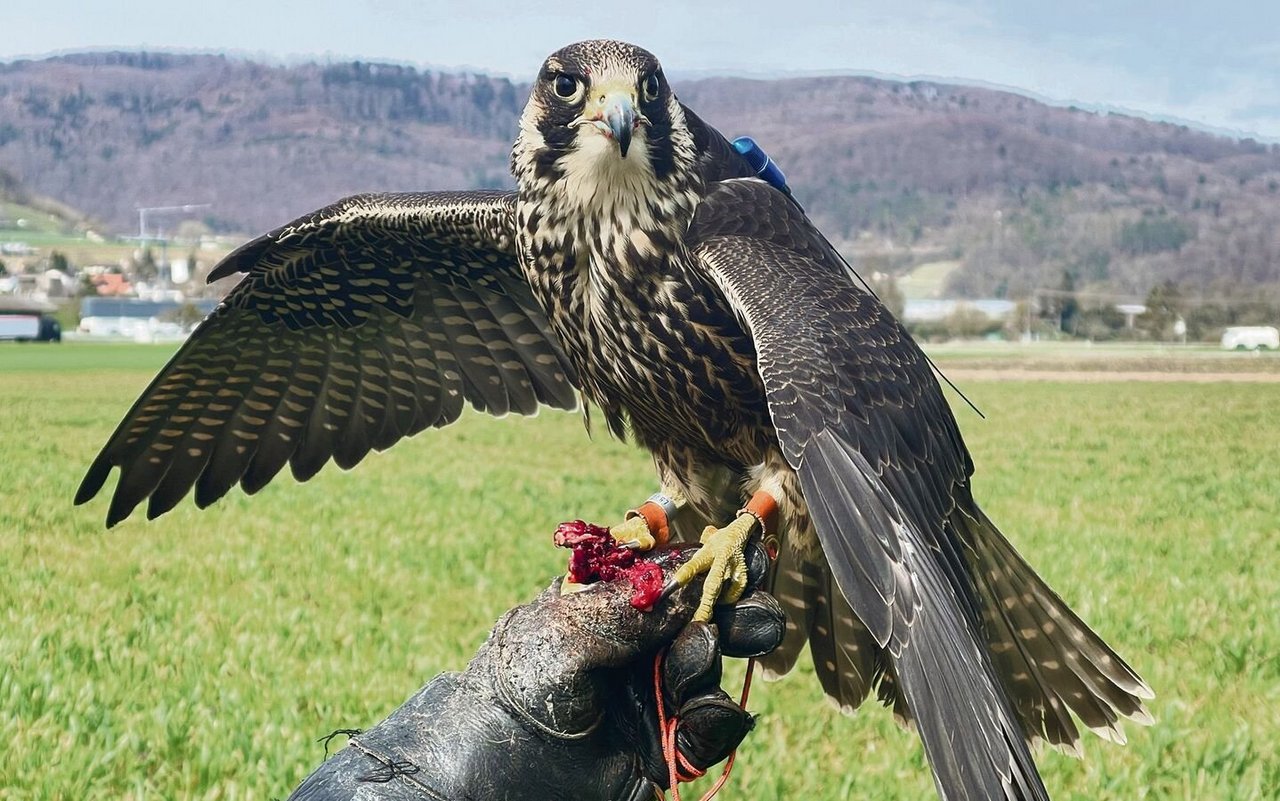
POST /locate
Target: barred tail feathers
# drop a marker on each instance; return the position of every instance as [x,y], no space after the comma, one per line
[1051,662]
[847,660]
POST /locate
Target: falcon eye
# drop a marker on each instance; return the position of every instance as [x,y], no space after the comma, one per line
[566,86]
[651,87]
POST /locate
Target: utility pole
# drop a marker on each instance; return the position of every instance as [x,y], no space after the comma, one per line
[162,267]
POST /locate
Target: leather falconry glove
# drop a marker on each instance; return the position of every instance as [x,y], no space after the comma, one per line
[559,703]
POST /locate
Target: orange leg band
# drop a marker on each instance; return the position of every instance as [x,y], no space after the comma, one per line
[764,508]
[656,518]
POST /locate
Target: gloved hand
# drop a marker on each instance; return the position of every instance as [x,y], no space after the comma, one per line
[559,703]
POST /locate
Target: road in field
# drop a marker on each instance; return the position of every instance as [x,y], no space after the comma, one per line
[1083,363]
[1095,376]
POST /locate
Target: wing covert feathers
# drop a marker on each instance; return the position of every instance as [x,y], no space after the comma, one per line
[959,635]
[356,325]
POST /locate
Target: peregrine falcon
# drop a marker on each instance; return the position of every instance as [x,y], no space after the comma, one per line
[642,265]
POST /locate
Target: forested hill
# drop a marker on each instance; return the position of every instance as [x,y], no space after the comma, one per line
[896,173]
[108,132]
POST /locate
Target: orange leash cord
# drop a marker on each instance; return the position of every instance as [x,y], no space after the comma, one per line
[678,768]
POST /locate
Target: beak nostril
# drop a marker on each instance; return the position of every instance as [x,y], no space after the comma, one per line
[615,117]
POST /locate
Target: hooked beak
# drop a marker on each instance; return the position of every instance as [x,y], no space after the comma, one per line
[620,116]
[614,114]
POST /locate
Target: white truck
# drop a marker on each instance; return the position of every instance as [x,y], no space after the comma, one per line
[29,327]
[1251,337]
[19,326]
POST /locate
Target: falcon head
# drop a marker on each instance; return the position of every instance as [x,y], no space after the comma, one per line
[601,121]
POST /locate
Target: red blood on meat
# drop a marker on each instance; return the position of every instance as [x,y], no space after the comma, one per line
[646,583]
[594,551]
[597,557]
[577,532]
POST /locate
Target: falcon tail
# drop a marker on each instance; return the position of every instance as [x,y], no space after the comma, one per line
[848,661]
[1049,659]
[1050,663]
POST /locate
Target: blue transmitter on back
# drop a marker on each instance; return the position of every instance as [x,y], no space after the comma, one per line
[766,169]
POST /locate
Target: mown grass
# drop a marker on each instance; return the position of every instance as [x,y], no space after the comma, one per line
[927,280]
[201,655]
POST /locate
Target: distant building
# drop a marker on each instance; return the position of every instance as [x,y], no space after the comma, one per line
[16,248]
[40,286]
[55,284]
[111,284]
[141,320]
[179,271]
[935,310]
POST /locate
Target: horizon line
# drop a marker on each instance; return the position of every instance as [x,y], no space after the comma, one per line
[298,59]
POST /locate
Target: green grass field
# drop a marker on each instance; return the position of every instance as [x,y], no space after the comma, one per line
[47,232]
[202,655]
[927,280]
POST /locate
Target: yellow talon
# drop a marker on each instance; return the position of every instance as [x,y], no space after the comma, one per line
[647,526]
[721,558]
[634,533]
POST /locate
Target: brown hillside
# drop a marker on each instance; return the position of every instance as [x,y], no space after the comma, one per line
[1019,191]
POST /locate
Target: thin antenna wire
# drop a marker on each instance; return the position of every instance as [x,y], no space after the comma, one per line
[951,384]
[931,362]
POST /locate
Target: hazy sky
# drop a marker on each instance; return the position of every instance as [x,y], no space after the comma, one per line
[1215,63]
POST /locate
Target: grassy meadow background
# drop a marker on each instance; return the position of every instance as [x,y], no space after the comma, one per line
[202,655]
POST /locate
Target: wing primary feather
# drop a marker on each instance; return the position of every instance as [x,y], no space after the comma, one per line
[375,396]
[402,385]
[182,473]
[285,419]
[484,355]
[266,382]
[452,387]
[351,437]
[864,571]
[159,428]
[320,432]
[345,302]
[478,376]
[429,383]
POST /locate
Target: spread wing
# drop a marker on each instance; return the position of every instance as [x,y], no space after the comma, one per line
[861,419]
[356,325]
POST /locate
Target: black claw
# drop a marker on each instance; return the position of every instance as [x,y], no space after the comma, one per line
[668,589]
